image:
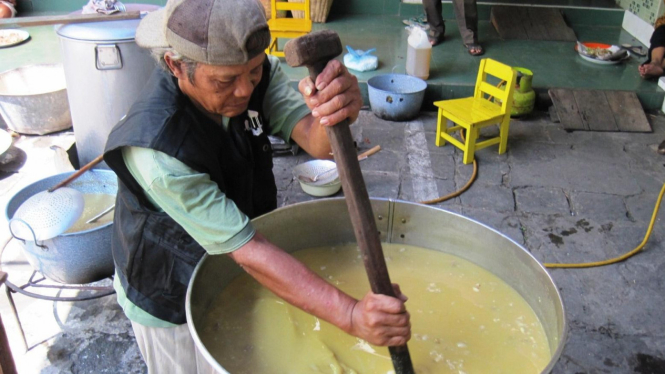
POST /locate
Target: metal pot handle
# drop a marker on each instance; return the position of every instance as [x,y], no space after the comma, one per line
[34,237]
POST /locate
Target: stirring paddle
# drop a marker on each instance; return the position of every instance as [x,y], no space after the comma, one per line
[314,51]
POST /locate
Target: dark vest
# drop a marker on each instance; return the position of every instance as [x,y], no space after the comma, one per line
[154,256]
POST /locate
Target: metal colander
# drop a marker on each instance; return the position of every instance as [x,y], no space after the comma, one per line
[316,172]
[46,215]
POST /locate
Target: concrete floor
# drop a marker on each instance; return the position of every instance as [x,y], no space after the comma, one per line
[566,197]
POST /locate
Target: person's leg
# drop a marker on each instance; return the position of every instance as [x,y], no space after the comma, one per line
[654,68]
[435,20]
[169,350]
[466,14]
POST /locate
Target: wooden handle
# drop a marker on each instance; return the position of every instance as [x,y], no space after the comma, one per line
[65,19]
[364,226]
[360,208]
[78,173]
[369,152]
[362,219]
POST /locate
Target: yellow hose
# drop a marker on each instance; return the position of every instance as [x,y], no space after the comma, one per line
[461,190]
[458,192]
[624,256]
[573,265]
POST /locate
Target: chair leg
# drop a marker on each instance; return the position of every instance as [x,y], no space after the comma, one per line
[470,144]
[503,133]
[441,124]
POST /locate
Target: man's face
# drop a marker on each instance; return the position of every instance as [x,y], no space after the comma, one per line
[223,90]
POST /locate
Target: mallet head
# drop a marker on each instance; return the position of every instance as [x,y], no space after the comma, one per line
[313,49]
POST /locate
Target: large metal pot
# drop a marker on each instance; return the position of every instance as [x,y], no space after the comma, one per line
[326,223]
[33,99]
[75,258]
[105,72]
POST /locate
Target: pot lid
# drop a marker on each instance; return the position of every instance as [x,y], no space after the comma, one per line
[105,31]
[100,31]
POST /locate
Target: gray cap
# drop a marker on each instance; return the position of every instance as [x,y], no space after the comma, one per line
[214,32]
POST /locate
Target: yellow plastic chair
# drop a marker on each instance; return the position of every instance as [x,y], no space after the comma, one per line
[287,28]
[474,113]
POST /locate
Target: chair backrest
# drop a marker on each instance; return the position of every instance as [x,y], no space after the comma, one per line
[303,6]
[485,90]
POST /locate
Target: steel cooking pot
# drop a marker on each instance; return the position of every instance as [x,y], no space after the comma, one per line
[33,99]
[74,258]
[105,71]
[302,226]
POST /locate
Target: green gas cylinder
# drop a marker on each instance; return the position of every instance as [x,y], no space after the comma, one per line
[524,97]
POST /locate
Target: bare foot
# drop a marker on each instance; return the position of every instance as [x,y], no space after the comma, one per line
[650,70]
[435,40]
[475,49]
[5,12]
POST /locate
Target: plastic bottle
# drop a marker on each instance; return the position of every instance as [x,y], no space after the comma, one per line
[418,54]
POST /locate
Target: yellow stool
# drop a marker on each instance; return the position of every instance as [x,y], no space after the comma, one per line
[287,28]
[474,113]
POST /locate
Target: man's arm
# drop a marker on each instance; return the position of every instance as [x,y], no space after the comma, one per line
[334,96]
[378,319]
[213,220]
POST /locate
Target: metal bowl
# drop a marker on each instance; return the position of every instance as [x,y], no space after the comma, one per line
[71,258]
[33,99]
[396,97]
[326,223]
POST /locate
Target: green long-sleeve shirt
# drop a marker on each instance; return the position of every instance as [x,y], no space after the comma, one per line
[193,200]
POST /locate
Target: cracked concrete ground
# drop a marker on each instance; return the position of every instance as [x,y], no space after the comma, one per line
[566,197]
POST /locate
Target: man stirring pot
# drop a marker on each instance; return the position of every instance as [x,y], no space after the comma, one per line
[194,165]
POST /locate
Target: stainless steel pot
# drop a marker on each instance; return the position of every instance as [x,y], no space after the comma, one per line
[326,223]
[33,99]
[75,258]
[105,72]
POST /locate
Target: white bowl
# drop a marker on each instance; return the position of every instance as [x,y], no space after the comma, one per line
[327,183]
[323,190]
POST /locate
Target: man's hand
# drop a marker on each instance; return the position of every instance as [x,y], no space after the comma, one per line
[334,96]
[382,320]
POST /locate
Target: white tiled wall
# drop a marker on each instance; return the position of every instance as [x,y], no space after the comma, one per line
[647,10]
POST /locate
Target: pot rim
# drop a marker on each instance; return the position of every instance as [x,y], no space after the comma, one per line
[375,78]
[56,65]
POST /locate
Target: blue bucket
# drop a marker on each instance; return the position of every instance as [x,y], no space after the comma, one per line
[396,97]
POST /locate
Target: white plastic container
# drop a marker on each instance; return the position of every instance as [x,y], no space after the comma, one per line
[418,54]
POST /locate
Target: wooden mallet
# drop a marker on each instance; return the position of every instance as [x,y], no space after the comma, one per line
[314,50]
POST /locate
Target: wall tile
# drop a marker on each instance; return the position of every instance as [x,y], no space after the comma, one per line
[647,10]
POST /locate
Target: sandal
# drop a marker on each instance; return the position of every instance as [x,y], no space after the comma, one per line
[433,39]
[479,49]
